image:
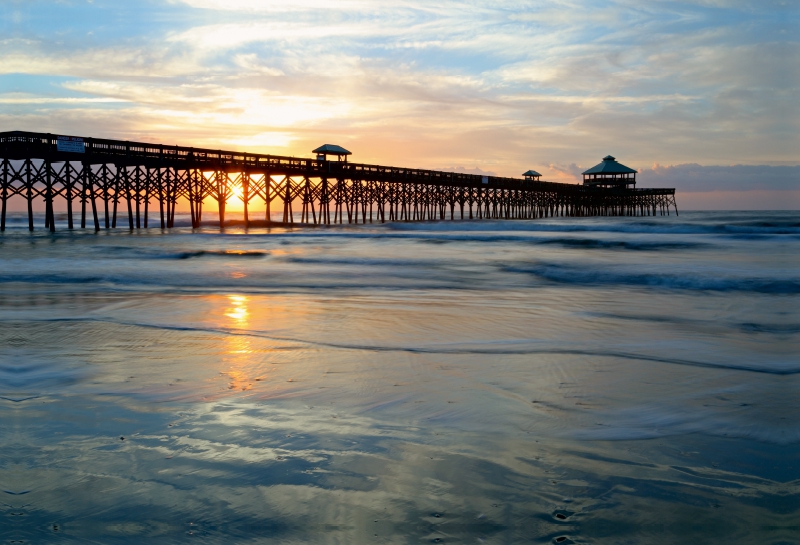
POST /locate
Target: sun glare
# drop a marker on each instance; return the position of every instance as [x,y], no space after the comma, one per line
[237,194]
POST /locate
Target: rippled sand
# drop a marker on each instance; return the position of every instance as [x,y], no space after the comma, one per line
[619,380]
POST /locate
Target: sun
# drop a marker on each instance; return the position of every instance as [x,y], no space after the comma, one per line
[235,202]
[237,191]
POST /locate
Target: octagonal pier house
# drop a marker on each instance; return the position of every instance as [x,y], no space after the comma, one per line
[532,176]
[331,149]
[610,173]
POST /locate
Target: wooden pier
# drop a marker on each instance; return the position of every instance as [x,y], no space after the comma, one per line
[111,183]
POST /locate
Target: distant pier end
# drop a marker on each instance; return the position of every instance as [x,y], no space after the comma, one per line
[111,183]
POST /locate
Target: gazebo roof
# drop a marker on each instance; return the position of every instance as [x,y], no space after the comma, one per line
[610,166]
[332,149]
[531,173]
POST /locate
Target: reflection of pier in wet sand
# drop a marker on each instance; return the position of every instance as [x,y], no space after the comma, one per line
[114,179]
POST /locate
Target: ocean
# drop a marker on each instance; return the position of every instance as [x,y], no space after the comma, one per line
[619,380]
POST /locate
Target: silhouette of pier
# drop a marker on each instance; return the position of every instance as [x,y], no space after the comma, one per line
[111,183]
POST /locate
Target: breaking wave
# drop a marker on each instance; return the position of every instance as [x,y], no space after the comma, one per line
[594,276]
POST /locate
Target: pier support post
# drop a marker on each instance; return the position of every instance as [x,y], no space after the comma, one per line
[161,199]
[87,172]
[83,195]
[117,184]
[51,218]
[29,192]
[268,197]
[68,193]
[106,194]
[128,196]
[245,177]
[191,176]
[222,190]
[287,201]
[137,192]
[148,179]
[4,196]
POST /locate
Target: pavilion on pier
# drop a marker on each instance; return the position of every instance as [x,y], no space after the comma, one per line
[331,149]
[610,173]
[532,176]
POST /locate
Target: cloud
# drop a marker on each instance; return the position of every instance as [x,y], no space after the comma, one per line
[465,170]
[500,87]
[697,178]
[739,200]
[568,173]
[251,63]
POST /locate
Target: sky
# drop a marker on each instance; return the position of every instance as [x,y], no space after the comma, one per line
[698,95]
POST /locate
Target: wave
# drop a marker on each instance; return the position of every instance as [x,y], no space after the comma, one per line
[287,282]
[775,329]
[156,252]
[664,225]
[591,243]
[494,348]
[365,261]
[565,242]
[454,237]
[748,327]
[659,421]
[329,272]
[591,276]
[219,253]
[23,375]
